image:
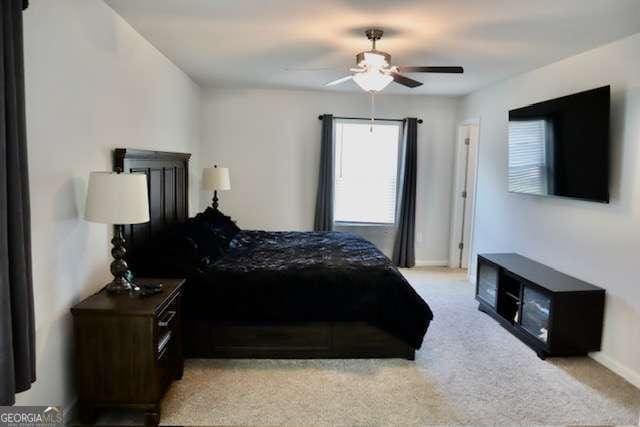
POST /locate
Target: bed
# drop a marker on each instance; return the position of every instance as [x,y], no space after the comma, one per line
[269,294]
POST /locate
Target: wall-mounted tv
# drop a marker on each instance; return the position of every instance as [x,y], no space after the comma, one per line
[561,147]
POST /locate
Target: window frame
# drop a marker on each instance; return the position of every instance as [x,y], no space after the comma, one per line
[399,171]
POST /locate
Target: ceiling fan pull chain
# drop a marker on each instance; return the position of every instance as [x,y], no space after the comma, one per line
[372,93]
[341,151]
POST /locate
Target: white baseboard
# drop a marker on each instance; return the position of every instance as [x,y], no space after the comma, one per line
[423,263]
[625,372]
[471,277]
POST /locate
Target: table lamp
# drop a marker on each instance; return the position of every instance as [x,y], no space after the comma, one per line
[216,179]
[118,199]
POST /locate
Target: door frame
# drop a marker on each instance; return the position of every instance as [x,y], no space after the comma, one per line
[456,200]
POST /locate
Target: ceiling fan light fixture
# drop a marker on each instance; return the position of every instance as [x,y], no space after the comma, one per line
[372,80]
[373,59]
[374,70]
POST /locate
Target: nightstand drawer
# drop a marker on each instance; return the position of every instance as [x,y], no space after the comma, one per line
[166,323]
[168,319]
[164,341]
[168,306]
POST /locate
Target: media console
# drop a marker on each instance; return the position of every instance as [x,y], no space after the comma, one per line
[553,313]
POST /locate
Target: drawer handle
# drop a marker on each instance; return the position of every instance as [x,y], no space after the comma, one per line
[162,344]
[167,319]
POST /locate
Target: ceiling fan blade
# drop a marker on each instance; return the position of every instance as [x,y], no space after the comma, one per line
[405,81]
[337,82]
[410,69]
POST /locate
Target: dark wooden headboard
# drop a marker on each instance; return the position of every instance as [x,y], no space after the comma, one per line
[168,184]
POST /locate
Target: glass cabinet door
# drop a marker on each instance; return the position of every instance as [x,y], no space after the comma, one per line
[487,283]
[535,313]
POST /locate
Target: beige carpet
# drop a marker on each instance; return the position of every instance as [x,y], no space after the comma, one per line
[469,371]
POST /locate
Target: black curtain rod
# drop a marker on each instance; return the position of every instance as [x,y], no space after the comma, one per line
[369,118]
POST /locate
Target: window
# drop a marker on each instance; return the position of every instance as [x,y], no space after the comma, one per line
[366,171]
[527,156]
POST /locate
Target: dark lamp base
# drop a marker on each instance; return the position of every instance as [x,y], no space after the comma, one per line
[119,285]
[214,205]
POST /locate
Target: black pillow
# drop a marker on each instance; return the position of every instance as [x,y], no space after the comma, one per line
[219,221]
[211,242]
[181,250]
[168,254]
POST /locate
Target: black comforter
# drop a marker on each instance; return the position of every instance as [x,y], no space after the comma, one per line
[295,276]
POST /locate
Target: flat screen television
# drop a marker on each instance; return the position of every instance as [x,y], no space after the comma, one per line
[561,147]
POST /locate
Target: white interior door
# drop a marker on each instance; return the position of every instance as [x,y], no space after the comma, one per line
[464,195]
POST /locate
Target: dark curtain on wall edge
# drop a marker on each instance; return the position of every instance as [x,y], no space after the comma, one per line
[404,248]
[17,325]
[324,198]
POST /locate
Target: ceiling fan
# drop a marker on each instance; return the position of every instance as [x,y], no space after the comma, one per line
[374,70]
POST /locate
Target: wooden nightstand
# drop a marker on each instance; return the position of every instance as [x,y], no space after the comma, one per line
[128,349]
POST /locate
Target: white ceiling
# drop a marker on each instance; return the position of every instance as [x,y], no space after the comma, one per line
[252,43]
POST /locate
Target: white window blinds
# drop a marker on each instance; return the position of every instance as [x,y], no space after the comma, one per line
[366,171]
[527,156]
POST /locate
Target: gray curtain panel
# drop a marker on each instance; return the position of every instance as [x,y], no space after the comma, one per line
[324,199]
[404,249]
[17,336]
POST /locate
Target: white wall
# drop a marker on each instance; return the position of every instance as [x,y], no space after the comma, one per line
[599,243]
[92,84]
[271,141]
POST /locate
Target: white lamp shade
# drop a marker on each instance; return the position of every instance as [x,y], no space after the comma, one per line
[114,198]
[216,179]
